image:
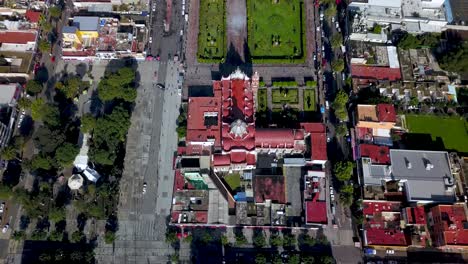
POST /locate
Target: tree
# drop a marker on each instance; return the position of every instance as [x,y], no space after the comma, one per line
[377,29]
[294,259]
[327,260]
[171,236]
[57,214]
[338,65]
[259,239]
[44,46]
[289,240]
[38,234]
[346,195]
[46,27]
[33,87]
[336,40]
[343,170]
[66,154]
[224,240]
[47,140]
[41,162]
[276,240]
[36,109]
[188,239]
[77,237]
[341,130]
[55,12]
[260,259]
[76,256]
[118,85]
[339,105]
[9,153]
[308,260]
[456,60]
[45,257]
[24,103]
[56,236]
[109,237]
[331,10]
[40,111]
[88,123]
[276,259]
[414,101]
[181,131]
[19,235]
[240,239]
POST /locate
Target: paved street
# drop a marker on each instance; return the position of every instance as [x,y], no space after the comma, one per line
[151,142]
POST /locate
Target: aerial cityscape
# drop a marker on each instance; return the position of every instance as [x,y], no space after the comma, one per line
[234,131]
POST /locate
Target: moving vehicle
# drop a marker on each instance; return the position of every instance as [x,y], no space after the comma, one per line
[150,40]
[370,251]
[5,228]
[144,187]
[2,207]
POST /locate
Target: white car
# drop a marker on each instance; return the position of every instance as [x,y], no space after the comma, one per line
[154,7]
[318,29]
[144,187]
[2,207]
[5,228]
[150,40]
[390,251]
[333,19]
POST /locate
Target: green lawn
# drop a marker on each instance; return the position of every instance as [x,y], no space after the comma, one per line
[275,30]
[262,100]
[211,37]
[452,130]
[233,180]
[309,100]
[284,96]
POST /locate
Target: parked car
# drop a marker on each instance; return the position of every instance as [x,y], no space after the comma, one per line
[5,228]
[150,40]
[2,207]
[370,251]
[390,251]
[144,187]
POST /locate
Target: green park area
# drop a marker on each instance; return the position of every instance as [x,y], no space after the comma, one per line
[309,100]
[262,100]
[233,180]
[275,31]
[452,130]
[284,96]
[211,37]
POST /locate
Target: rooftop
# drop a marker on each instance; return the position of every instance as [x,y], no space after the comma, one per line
[9,93]
[86,23]
[32,16]
[375,73]
[17,37]
[270,187]
[453,222]
[415,215]
[427,173]
[377,154]
[200,108]
[386,113]
[367,113]
[316,212]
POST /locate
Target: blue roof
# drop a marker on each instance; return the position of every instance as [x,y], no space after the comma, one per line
[86,23]
[67,29]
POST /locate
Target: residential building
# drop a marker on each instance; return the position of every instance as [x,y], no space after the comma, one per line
[415,16]
[418,176]
[91,37]
[449,226]
[9,95]
[374,124]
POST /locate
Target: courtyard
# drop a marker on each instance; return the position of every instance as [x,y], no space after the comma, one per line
[275,30]
[452,130]
[212,35]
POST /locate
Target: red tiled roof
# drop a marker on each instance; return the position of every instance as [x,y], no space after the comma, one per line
[316,212]
[201,217]
[369,208]
[175,216]
[269,188]
[237,156]
[196,129]
[17,37]
[449,222]
[251,159]
[319,146]
[179,181]
[275,138]
[416,215]
[386,113]
[181,150]
[32,16]
[221,160]
[377,154]
[377,236]
[375,72]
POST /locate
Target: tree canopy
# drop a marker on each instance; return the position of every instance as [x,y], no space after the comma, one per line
[455,60]
[339,105]
[55,12]
[24,103]
[118,85]
[426,40]
[336,40]
[41,162]
[88,123]
[33,87]
[338,65]
[66,154]
[47,140]
[44,46]
[343,170]
[109,132]
[71,87]
[331,10]
[40,111]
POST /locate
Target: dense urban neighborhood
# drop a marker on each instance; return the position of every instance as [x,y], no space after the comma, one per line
[234,131]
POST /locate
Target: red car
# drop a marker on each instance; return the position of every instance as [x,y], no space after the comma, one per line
[52,59]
